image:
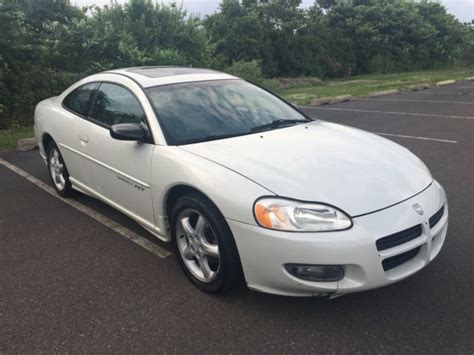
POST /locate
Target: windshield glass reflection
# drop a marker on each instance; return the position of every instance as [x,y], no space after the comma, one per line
[208,110]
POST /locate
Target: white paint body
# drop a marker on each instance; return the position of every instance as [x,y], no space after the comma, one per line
[372,179]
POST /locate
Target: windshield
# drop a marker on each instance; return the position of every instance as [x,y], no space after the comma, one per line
[209,110]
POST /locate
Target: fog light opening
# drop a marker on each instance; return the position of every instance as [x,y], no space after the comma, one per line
[320,273]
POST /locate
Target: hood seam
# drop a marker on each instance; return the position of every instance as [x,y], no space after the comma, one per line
[399,202]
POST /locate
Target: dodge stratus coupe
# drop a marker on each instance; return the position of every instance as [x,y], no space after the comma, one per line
[246,187]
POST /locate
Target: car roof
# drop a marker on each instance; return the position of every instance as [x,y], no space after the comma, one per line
[164,75]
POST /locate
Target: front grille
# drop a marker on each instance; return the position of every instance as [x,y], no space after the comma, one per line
[436,217]
[399,238]
[399,259]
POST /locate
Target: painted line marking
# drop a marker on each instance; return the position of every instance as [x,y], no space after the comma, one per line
[416,137]
[430,101]
[387,112]
[463,87]
[116,227]
[412,137]
[438,93]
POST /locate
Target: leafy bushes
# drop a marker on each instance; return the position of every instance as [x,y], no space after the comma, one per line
[27,88]
[248,70]
[46,45]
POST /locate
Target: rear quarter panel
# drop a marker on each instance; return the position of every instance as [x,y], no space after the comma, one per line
[43,121]
[53,120]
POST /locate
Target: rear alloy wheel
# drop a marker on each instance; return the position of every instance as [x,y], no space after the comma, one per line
[204,244]
[58,171]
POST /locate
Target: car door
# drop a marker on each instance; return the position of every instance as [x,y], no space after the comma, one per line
[118,171]
[76,106]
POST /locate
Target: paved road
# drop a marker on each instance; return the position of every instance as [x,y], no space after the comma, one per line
[70,284]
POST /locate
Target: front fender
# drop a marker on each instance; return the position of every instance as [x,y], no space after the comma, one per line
[232,193]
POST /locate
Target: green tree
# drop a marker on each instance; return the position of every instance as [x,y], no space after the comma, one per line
[235,34]
[390,35]
[46,45]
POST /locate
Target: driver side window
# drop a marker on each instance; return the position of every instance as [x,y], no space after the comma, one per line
[114,104]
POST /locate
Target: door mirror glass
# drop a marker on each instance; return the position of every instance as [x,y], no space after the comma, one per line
[129,132]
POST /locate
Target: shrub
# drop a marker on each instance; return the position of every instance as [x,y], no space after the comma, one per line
[25,89]
[248,70]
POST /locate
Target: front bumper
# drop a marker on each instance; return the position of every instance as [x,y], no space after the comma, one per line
[264,252]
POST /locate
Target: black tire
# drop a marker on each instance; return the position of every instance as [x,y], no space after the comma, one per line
[229,274]
[67,190]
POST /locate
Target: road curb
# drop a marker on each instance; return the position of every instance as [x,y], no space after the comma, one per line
[445,82]
[383,93]
[27,144]
[331,100]
[419,87]
[342,98]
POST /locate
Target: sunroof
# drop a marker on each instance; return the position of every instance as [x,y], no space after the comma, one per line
[159,72]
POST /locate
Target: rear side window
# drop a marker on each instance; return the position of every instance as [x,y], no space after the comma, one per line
[114,104]
[79,100]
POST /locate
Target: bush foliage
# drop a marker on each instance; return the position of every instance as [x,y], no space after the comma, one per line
[46,45]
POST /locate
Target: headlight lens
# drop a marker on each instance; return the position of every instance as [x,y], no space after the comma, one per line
[289,215]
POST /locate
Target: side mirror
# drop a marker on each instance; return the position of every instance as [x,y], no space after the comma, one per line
[129,132]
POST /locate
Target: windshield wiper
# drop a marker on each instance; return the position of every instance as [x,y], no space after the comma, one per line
[276,124]
[211,137]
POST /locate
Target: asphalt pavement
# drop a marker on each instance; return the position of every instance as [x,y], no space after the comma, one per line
[69,283]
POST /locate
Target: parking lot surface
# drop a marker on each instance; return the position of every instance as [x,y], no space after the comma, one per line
[70,282]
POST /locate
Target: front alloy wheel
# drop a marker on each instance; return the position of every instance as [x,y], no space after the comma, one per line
[204,244]
[197,245]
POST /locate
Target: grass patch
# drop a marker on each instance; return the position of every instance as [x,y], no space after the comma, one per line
[364,84]
[10,137]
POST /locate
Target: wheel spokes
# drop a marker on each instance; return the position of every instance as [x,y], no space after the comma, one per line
[204,266]
[195,240]
[57,170]
[200,230]
[210,249]
[200,226]
[187,228]
[61,179]
[188,253]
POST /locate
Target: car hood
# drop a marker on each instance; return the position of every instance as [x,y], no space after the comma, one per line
[356,171]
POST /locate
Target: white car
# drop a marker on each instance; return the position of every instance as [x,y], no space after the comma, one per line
[246,187]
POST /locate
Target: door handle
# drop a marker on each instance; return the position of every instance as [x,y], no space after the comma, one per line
[83,138]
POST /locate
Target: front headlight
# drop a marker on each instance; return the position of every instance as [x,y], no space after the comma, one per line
[296,216]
